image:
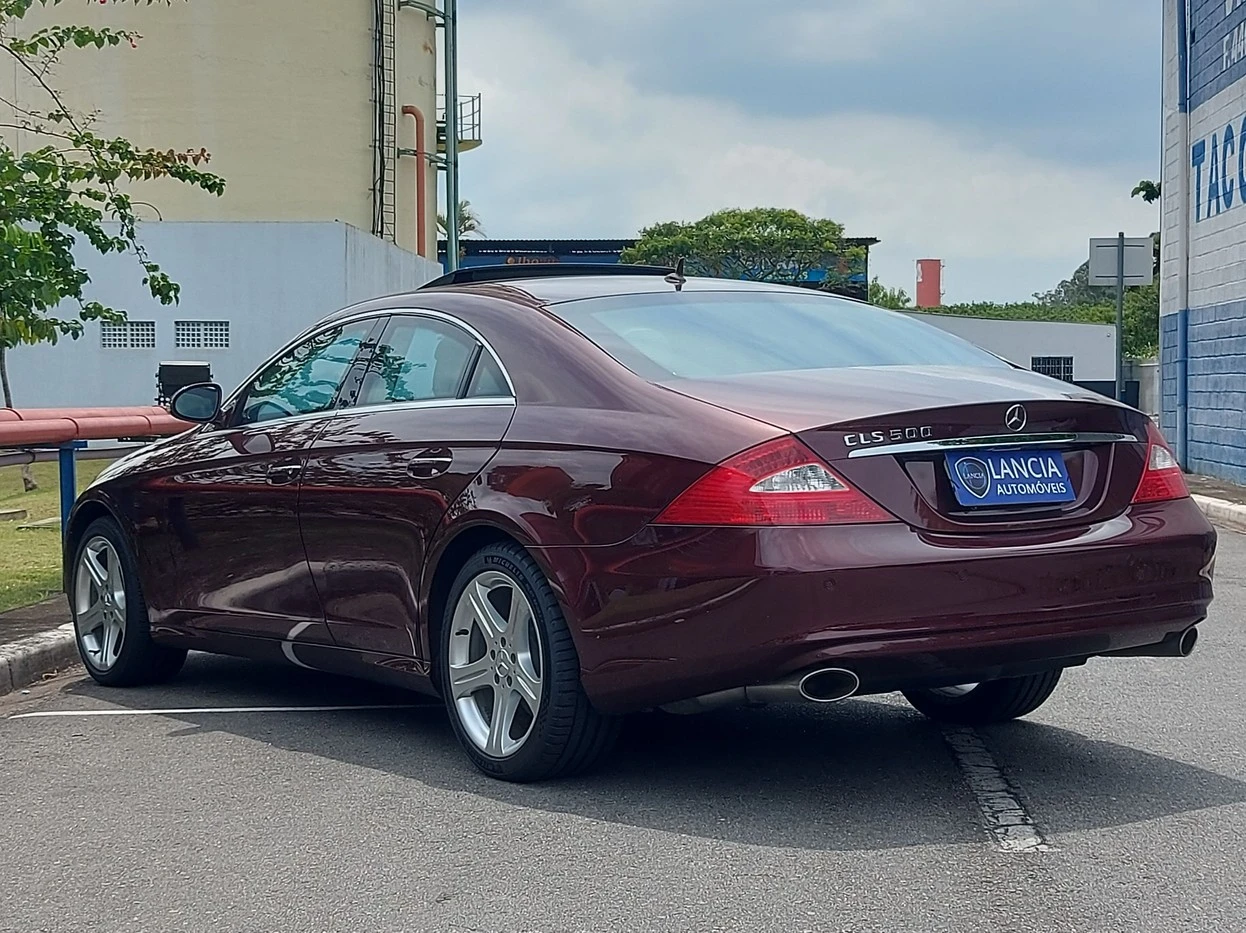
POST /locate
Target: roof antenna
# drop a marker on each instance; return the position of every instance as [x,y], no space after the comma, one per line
[677,277]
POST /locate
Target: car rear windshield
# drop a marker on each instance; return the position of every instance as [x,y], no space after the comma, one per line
[708,335]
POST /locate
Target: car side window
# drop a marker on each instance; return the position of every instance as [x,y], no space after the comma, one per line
[418,359]
[304,380]
[487,380]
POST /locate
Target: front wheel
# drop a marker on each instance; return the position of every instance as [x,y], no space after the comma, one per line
[110,616]
[510,674]
[992,701]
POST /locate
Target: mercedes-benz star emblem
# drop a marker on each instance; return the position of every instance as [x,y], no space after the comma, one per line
[1014,419]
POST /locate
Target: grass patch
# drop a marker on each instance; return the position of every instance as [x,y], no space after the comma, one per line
[30,560]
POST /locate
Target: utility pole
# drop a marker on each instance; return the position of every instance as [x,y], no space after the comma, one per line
[452,134]
[1120,316]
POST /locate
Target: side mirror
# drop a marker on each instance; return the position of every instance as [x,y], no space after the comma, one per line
[199,403]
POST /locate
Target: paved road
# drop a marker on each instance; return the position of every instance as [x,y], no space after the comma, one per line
[860,817]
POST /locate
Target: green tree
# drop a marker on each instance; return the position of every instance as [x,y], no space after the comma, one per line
[766,244]
[469,222]
[73,184]
[1141,333]
[1149,191]
[897,299]
[1074,291]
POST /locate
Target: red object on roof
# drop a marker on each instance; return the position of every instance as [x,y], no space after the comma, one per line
[929,283]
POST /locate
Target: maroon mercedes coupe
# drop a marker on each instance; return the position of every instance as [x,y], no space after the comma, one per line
[556,496]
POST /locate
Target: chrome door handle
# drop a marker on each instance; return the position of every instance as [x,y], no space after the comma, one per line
[426,466]
[282,474]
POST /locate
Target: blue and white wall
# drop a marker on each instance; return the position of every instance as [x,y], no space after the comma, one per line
[1203,267]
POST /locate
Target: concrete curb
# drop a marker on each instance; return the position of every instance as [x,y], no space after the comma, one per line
[1226,514]
[25,661]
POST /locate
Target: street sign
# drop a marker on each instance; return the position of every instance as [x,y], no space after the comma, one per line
[1121,261]
[1139,260]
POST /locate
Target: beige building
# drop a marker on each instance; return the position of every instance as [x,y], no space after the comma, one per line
[301,105]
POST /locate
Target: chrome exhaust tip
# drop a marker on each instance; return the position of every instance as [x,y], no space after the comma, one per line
[1180,645]
[829,685]
[824,685]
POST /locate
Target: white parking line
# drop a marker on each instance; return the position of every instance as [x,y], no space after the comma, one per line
[1005,816]
[209,709]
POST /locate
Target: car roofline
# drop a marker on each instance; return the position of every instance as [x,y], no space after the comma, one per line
[608,286]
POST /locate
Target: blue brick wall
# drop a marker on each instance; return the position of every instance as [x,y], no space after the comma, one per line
[1215,360]
[1169,360]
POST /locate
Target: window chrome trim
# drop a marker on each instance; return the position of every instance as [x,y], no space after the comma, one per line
[1001,441]
[498,401]
[374,314]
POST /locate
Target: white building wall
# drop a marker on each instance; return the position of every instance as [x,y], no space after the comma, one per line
[1092,346]
[1173,173]
[1217,238]
[269,280]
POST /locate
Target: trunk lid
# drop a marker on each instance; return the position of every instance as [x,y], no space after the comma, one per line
[889,430]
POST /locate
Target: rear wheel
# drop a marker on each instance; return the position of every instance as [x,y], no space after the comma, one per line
[110,615]
[510,674]
[987,702]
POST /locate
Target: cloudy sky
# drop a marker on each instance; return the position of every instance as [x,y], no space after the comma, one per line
[997,135]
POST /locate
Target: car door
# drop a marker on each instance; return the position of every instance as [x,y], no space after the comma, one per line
[431,411]
[236,561]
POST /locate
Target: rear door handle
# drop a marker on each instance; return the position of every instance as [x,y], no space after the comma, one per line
[283,474]
[430,463]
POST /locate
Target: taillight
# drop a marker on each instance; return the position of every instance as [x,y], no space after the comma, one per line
[781,482]
[1162,478]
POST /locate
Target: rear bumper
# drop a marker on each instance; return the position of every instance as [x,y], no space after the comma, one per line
[679,612]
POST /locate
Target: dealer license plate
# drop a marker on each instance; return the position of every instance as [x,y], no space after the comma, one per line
[1010,477]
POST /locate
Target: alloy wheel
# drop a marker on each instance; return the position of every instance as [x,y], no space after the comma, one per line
[495,664]
[100,603]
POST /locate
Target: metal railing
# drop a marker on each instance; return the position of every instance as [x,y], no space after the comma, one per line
[469,121]
[66,431]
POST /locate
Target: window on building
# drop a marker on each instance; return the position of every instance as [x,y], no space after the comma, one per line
[1058,367]
[128,335]
[201,335]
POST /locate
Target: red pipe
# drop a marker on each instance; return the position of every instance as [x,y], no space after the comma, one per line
[43,414]
[49,426]
[421,179]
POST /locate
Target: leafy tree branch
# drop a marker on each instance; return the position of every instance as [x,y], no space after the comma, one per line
[73,185]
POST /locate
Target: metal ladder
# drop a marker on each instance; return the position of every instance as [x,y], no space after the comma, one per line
[388,141]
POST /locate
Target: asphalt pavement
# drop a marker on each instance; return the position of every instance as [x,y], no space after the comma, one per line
[1129,788]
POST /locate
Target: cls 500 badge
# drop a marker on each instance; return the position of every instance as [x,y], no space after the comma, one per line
[866,438]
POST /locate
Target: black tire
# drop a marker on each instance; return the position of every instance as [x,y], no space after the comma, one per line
[990,702]
[567,736]
[139,661]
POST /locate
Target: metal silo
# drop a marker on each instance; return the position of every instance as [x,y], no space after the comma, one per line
[309,109]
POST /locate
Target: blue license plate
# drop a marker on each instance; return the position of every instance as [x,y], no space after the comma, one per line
[1010,477]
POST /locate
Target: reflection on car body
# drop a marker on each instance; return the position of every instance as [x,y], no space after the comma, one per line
[556,499]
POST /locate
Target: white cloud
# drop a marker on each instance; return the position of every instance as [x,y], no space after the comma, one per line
[855,31]
[573,148]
